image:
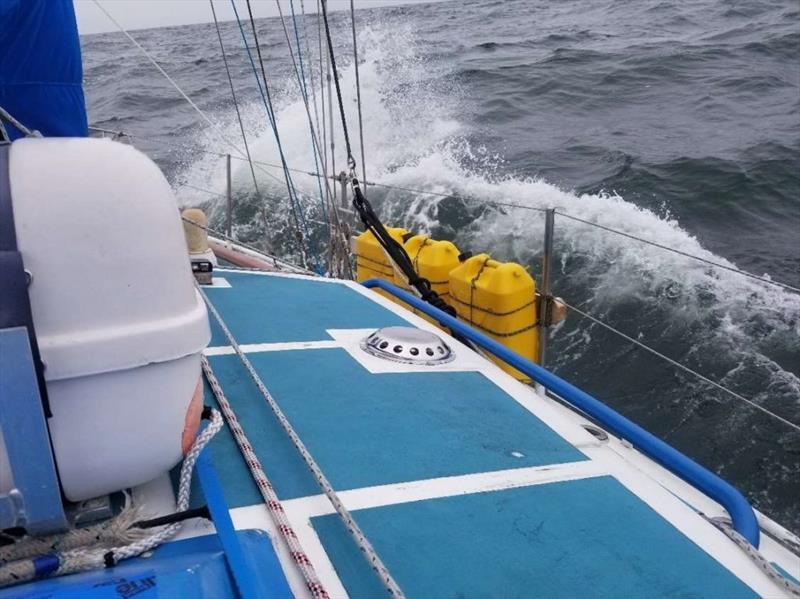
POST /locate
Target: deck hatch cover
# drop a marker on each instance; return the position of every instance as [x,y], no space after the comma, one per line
[408,345]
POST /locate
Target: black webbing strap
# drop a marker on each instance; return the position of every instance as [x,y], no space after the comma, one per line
[15,305]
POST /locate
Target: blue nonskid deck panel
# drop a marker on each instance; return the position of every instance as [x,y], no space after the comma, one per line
[584,538]
[366,429]
[265,309]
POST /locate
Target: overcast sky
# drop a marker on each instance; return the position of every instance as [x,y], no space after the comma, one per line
[141,14]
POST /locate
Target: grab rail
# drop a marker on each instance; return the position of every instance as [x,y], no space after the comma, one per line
[741,512]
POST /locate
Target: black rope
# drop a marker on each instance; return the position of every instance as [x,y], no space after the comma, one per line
[198,512]
[351,162]
[394,249]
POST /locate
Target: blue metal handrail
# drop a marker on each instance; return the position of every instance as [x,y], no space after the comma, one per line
[741,512]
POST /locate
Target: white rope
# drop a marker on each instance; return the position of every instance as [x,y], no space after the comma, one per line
[112,532]
[271,499]
[7,116]
[355,531]
[756,556]
[76,561]
[81,559]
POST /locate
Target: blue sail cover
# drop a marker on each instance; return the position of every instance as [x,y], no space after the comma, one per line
[40,67]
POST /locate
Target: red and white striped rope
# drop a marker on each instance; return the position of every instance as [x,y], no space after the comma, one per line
[355,531]
[271,499]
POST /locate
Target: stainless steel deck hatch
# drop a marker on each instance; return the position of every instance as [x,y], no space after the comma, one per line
[408,345]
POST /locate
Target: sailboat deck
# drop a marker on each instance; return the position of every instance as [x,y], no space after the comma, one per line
[465,481]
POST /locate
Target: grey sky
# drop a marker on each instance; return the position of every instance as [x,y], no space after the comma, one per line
[141,14]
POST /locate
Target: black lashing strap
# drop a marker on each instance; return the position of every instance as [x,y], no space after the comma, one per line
[15,305]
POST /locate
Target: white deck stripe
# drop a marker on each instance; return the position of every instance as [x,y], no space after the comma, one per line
[448,486]
[300,511]
[218,283]
[253,348]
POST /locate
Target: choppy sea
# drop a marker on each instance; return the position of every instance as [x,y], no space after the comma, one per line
[677,122]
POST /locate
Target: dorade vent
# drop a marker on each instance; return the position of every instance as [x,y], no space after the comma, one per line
[408,345]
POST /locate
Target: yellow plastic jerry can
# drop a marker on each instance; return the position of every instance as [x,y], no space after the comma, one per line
[433,260]
[372,262]
[498,299]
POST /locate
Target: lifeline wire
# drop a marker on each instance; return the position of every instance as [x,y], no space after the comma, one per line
[277,262]
[492,203]
[684,368]
[355,531]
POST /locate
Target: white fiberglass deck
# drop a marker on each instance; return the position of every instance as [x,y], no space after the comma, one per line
[466,482]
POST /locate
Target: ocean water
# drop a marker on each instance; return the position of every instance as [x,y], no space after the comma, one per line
[675,121]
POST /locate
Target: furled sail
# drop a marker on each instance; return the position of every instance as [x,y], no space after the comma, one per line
[40,67]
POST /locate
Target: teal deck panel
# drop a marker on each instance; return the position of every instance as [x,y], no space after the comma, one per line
[584,538]
[588,537]
[366,429]
[265,309]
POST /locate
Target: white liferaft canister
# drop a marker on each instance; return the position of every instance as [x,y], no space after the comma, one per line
[119,323]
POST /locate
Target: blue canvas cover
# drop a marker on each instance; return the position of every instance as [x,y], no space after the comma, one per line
[40,67]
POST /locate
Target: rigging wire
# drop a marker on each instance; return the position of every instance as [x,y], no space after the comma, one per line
[267,99]
[191,102]
[322,69]
[183,94]
[339,256]
[301,80]
[335,245]
[395,251]
[351,163]
[300,225]
[233,96]
[358,99]
[313,87]
[682,367]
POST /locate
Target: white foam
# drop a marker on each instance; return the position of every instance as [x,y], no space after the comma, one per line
[412,139]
